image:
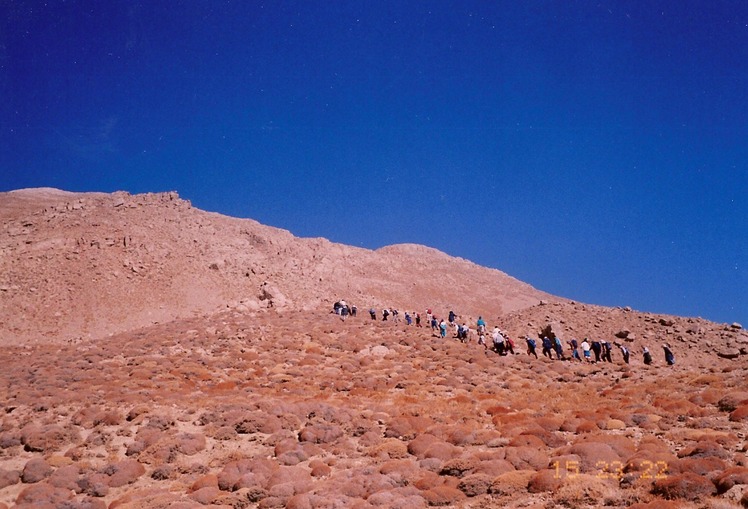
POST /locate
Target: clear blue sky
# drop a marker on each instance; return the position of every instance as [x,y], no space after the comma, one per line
[597,150]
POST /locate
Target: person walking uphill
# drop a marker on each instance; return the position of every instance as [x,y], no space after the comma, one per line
[607,357]
[647,356]
[574,349]
[443,329]
[558,347]
[531,346]
[586,349]
[624,351]
[481,325]
[669,356]
[547,347]
[597,349]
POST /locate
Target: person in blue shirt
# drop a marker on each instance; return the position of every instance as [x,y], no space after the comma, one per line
[481,324]
[531,346]
[443,329]
[547,347]
[574,349]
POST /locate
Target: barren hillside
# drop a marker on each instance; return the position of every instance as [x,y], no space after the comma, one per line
[156,356]
[88,265]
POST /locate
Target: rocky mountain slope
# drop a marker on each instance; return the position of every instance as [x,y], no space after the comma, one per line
[88,265]
[158,356]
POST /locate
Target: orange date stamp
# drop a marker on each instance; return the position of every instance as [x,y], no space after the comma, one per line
[613,470]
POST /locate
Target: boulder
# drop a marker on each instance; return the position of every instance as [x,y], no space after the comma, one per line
[728,353]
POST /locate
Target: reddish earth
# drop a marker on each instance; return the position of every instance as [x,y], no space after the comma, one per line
[158,356]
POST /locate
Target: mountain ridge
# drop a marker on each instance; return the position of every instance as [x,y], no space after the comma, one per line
[94,264]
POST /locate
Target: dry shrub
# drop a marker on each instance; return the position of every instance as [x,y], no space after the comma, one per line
[714,503]
[584,489]
[391,448]
[706,380]
[511,483]
[740,413]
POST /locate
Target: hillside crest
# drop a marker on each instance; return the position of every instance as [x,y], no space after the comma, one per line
[88,265]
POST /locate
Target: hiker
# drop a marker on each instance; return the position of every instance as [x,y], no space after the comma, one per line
[462,333]
[647,356]
[408,319]
[354,310]
[586,350]
[606,352]
[418,319]
[452,316]
[559,348]
[336,307]
[498,344]
[344,312]
[385,314]
[395,316]
[574,349]
[531,346]
[508,345]
[669,356]
[443,329]
[547,347]
[482,340]
[481,323]
[434,324]
[498,341]
[624,351]
[373,313]
[597,349]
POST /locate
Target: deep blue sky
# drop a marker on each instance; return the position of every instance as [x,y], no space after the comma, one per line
[595,149]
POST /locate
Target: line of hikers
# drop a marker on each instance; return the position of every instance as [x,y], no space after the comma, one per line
[503,344]
[602,350]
